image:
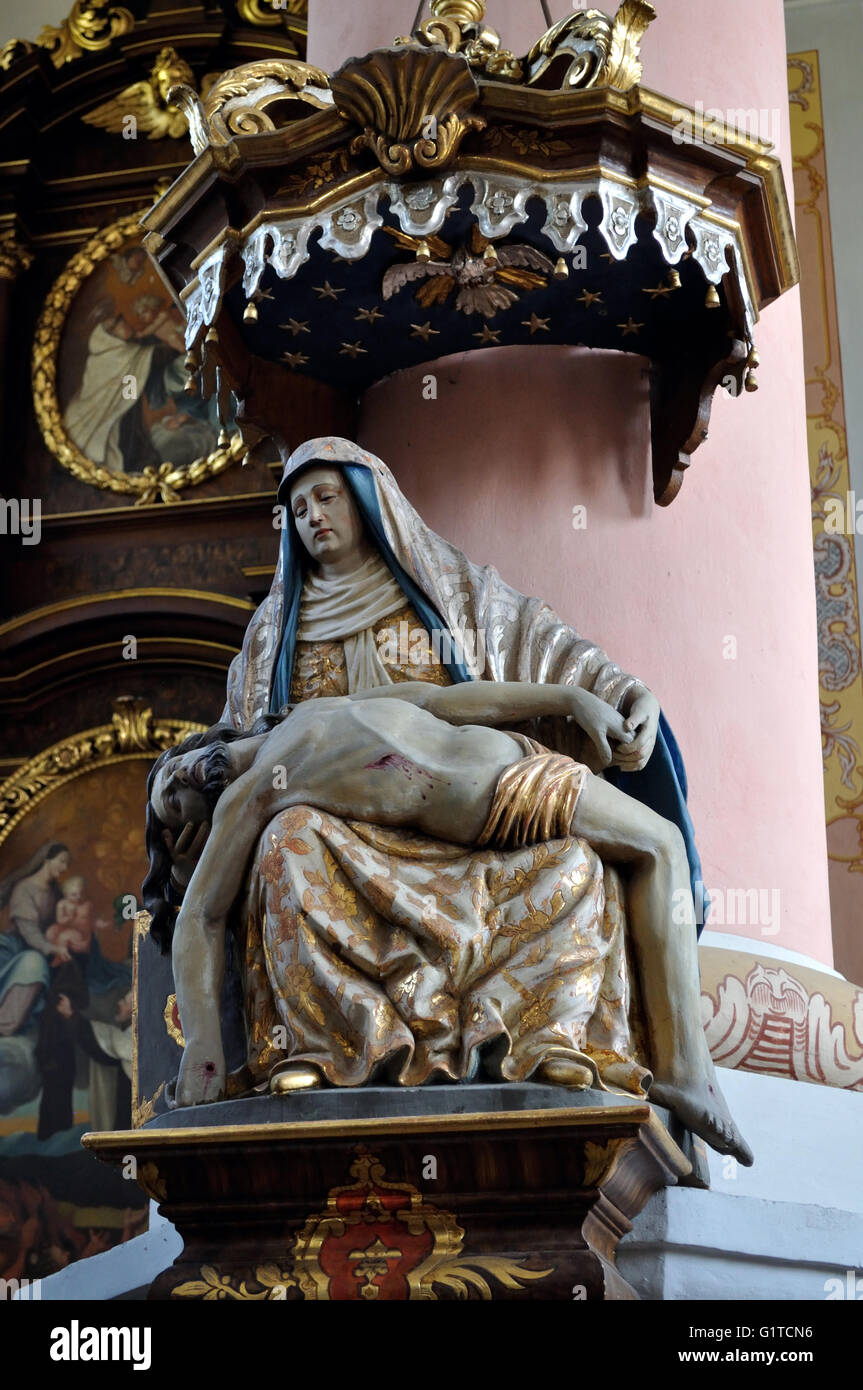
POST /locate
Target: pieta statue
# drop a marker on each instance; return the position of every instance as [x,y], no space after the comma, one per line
[448,834]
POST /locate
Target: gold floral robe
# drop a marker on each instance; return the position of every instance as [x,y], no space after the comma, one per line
[379,954]
[385,955]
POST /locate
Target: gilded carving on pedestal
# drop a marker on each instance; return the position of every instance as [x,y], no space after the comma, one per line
[374,1241]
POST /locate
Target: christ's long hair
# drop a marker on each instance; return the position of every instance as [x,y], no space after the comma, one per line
[154,890]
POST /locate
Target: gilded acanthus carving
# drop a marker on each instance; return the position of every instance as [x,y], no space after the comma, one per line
[236,104]
[414,105]
[588,49]
[91,26]
[457,25]
[147,101]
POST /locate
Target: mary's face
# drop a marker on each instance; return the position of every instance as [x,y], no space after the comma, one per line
[327,518]
[58,865]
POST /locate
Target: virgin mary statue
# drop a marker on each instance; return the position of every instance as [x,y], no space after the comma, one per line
[374,952]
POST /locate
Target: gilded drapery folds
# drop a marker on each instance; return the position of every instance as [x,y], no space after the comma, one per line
[378,954]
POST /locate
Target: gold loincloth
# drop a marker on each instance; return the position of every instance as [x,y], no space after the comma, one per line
[535,798]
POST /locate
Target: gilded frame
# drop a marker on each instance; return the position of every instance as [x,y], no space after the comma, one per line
[152,484]
[133,733]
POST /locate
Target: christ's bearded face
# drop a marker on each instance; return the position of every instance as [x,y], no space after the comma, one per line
[187,786]
[327,518]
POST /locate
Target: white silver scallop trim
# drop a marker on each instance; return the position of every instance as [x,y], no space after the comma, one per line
[500,203]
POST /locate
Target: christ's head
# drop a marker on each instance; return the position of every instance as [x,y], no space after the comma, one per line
[186,785]
[73,888]
[183,786]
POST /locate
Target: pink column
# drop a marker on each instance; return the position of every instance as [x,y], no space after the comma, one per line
[518,437]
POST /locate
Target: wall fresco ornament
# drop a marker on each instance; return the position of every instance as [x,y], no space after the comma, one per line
[834,520]
[109,378]
[768,1018]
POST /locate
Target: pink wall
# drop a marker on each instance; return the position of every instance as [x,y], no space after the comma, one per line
[517,437]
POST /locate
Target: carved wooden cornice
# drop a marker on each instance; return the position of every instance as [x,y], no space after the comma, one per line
[428,160]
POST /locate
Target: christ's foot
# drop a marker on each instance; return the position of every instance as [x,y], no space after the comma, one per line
[701,1106]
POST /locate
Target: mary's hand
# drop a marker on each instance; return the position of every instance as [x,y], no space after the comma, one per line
[642,722]
[186,850]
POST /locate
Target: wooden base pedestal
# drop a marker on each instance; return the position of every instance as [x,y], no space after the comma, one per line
[506,1205]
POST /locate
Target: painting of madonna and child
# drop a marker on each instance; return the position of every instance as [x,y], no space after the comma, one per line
[120,374]
[68,872]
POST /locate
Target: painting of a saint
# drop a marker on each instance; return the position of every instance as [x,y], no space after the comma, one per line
[121,374]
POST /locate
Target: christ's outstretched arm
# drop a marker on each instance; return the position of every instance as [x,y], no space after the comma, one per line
[499,703]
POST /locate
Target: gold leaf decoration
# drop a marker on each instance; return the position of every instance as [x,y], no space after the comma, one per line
[459,1274]
[91,26]
[214,1286]
[268,13]
[630,24]
[147,102]
[133,731]
[414,106]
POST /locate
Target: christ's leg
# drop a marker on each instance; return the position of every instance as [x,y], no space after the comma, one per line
[661,918]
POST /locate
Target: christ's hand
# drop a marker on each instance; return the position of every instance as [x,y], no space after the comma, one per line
[601,722]
[641,724]
[186,851]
